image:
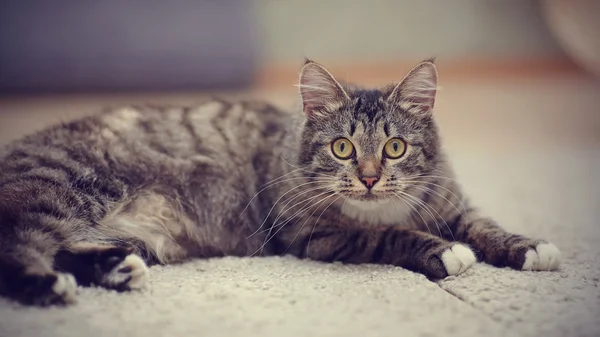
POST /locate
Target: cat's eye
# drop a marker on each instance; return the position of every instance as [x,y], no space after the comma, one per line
[342,148]
[394,148]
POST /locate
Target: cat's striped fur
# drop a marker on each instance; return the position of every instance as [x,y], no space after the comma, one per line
[96,200]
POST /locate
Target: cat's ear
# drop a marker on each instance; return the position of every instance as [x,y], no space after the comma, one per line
[416,92]
[320,92]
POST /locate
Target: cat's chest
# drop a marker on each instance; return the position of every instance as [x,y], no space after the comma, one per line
[387,212]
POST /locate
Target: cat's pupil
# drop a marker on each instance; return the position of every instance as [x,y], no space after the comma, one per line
[342,147]
[395,146]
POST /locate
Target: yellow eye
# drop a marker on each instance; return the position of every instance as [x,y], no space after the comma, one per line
[342,148]
[394,148]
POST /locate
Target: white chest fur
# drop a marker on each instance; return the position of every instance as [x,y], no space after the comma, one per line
[385,212]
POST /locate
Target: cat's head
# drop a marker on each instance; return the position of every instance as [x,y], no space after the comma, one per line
[368,144]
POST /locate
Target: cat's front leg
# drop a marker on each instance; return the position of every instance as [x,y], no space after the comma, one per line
[500,248]
[410,249]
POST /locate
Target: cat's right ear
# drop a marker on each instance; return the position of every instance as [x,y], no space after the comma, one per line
[320,92]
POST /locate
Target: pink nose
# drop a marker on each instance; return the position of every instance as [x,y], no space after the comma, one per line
[369,181]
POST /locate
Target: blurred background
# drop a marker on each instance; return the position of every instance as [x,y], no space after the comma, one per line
[528,66]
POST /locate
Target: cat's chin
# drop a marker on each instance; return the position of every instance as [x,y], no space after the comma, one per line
[367,204]
[369,201]
[383,210]
[369,198]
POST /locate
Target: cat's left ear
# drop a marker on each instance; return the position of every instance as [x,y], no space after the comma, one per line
[416,92]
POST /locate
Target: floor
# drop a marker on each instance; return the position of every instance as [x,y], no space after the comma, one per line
[528,153]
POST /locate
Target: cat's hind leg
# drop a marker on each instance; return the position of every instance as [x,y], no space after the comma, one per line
[38,268]
[26,273]
[112,267]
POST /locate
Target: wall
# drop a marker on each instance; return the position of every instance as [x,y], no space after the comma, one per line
[351,30]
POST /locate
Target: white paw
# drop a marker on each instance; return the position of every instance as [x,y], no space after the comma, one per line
[65,287]
[545,256]
[132,273]
[457,259]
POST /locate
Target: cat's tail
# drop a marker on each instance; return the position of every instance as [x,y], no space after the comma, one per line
[26,265]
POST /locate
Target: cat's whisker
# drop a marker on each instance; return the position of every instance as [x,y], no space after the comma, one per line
[304,209]
[282,181]
[421,176]
[436,178]
[275,223]
[319,175]
[427,175]
[305,170]
[428,190]
[277,201]
[442,175]
[280,177]
[403,199]
[316,223]
[297,177]
[269,236]
[317,204]
[284,209]
[439,186]
[320,202]
[427,209]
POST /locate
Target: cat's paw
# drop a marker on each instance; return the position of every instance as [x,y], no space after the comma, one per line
[44,290]
[118,268]
[522,253]
[65,288]
[131,273]
[448,259]
[457,259]
[545,256]
[127,273]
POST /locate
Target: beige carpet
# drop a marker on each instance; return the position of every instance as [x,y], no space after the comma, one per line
[529,155]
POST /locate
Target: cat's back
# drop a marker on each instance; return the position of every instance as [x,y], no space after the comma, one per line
[204,127]
[173,130]
[150,140]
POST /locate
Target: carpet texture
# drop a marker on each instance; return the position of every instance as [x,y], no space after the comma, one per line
[286,296]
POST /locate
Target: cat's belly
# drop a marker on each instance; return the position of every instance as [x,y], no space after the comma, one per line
[172,236]
[154,221]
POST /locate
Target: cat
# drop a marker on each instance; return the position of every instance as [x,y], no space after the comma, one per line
[356,175]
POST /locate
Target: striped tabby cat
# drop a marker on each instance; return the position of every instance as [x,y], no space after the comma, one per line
[358,177]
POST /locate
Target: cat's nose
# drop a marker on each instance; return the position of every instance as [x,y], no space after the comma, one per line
[369,181]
